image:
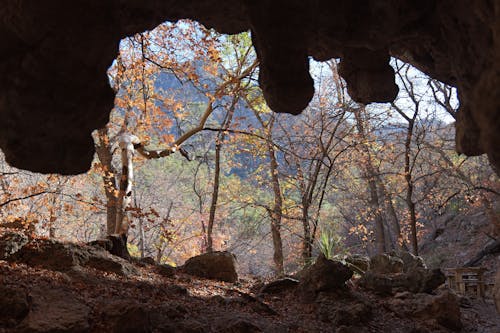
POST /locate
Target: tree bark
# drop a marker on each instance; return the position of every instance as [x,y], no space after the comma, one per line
[277,211]
[371,176]
[221,136]
[409,187]
[105,155]
[124,199]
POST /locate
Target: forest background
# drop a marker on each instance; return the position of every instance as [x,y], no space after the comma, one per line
[216,169]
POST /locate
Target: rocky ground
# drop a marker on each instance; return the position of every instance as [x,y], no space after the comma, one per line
[47,286]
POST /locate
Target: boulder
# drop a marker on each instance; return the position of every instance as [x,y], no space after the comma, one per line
[351,314]
[444,308]
[411,262]
[13,305]
[128,317]
[386,264]
[279,286]
[55,310]
[105,262]
[358,263]
[213,265]
[323,275]
[11,242]
[55,255]
[390,273]
[51,254]
[378,283]
[165,270]
[416,281]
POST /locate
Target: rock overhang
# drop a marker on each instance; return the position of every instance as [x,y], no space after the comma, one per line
[54,90]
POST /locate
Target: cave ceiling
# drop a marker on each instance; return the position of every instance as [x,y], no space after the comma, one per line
[54,56]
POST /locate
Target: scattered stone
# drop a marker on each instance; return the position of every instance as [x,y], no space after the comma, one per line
[127,317]
[13,305]
[416,281]
[427,280]
[443,308]
[166,270]
[386,264]
[103,261]
[279,286]
[351,314]
[389,273]
[323,275]
[176,290]
[358,263]
[411,262]
[214,265]
[52,255]
[11,242]
[55,310]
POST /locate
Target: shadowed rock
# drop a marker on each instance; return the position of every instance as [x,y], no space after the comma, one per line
[323,275]
[54,90]
[213,265]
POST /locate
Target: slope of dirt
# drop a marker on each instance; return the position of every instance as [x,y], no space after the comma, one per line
[145,298]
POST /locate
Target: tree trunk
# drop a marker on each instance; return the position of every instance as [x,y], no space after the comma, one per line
[105,155]
[277,210]
[371,176]
[124,200]
[391,217]
[215,197]
[142,244]
[306,241]
[161,244]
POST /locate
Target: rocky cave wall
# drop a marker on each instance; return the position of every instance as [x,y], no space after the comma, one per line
[54,56]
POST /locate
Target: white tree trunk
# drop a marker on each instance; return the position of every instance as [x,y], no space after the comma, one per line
[126,143]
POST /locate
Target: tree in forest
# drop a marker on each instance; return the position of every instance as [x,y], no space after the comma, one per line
[144,109]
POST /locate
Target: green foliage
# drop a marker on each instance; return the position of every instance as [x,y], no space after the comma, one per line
[133,250]
[331,245]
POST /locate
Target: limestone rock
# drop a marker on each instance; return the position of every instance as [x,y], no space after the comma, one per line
[103,261]
[11,242]
[386,264]
[378,283]
[127,317]
[212,265]
[55,310]
[51,254]
[352,314]
[59,256]
[415,281]
[443,308]
[358,263]
[279,286]
[166,270]
[13,305]
[46,103]
[323,275]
